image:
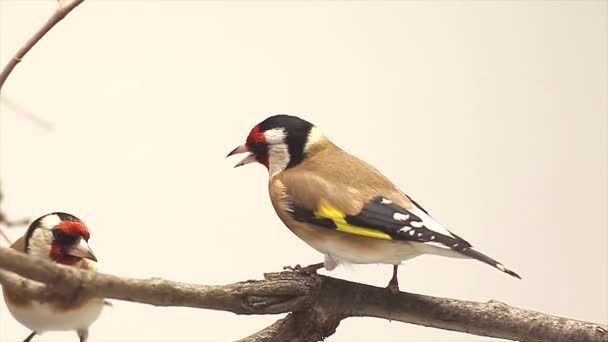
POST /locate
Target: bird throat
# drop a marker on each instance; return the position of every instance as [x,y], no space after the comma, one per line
[278,158]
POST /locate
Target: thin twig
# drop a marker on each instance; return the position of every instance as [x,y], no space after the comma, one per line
[5,236]
[59,14]
[26,113]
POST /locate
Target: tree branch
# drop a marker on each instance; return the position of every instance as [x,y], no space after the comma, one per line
[317,303]
[26,113]
[59,14]
[249,297]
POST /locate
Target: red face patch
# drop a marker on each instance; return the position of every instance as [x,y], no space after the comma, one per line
[256,142]
[74,229]
[65,234]
[256,136]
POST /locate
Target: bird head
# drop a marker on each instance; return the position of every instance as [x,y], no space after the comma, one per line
[59,236]
[279,142]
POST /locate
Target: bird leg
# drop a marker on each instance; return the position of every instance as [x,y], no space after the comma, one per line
[83,334]
[310,269]
[30,336]
[393,285]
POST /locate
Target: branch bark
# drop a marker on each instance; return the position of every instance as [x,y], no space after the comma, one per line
[317,303]
[59,14]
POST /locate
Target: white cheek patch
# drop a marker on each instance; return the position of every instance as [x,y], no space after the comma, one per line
[40,242]
[278,158]
[278,151]
[50,221]
[275,136]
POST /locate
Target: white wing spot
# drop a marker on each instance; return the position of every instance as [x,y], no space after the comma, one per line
[400,217]
[417,224]
[404,229]
[412,232]
[432,237]
[500,267]
[430,223]
[386,201]
[419,234]
[455,245]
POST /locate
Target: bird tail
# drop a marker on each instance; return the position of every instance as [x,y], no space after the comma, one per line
[472,253]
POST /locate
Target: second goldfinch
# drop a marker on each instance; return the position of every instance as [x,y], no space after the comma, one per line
[342,206]
[62,238]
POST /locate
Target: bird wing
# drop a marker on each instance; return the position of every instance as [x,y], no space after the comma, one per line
[19,245]
[362,211]
[368,212]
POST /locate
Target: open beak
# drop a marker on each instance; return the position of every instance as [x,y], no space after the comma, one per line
[243,149]
[82,250]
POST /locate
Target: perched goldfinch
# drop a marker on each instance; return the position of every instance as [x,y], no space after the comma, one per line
[64,239]
[342,206]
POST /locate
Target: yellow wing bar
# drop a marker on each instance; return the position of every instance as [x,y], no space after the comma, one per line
[338,218]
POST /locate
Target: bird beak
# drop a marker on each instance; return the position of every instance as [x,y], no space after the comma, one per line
[242,149]
[81,249]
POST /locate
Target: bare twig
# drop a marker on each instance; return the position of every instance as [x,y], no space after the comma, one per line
[26,113]
[252,297]
[59,14]
[317,304]
[5,236]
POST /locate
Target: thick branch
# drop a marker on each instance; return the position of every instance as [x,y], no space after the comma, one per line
[317,303]
[250,297]
[59,14]
[315,323]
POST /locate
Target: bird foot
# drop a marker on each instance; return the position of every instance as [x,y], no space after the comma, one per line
[393,286]
[310,270]
[296,268]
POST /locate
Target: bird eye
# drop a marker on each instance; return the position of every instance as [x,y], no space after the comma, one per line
[63,238]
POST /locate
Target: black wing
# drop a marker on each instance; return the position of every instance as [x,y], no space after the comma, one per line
[382,215]
[402,224]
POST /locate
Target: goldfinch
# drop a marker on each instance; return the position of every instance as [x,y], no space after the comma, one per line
[343,207]
[62,238]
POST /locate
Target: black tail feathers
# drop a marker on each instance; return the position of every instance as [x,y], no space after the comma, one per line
[470,252]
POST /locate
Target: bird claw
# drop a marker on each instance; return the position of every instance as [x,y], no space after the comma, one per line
[393,289]
[309,270]
[393,286]
[296,269]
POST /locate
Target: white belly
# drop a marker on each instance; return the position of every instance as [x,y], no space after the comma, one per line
[382,252]
[41,317]
[353,249]
[339,247]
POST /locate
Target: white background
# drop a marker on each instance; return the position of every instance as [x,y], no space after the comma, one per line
[492,115]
